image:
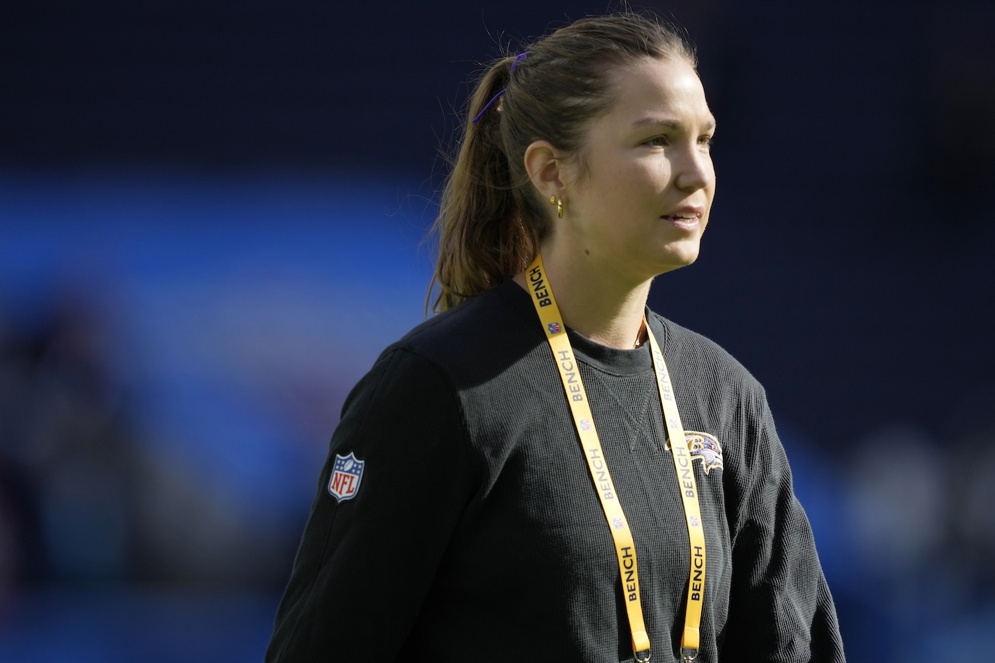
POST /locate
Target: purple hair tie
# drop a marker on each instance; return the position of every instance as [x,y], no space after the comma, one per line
[514,65]
[487,105]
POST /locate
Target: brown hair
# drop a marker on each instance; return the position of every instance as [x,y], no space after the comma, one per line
[491,219]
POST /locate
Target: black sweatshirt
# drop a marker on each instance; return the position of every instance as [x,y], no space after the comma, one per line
[475,532]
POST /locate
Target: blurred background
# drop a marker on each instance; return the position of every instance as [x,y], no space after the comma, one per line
[212,219]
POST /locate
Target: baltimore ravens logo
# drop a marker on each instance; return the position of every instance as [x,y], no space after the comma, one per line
[703,447]
[706,448]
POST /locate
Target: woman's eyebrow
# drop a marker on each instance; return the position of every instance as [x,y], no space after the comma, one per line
[709,124]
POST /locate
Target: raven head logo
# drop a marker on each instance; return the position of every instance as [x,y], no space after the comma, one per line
[706,448]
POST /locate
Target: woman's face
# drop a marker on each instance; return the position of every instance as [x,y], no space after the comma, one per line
[637,198]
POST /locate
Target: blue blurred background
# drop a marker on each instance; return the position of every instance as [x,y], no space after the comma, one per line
[212,219]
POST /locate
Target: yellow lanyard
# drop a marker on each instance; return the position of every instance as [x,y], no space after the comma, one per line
[625,549]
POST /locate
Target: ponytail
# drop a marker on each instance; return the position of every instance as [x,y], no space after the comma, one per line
[482,239]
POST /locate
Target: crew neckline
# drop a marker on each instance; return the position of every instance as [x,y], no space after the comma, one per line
[602,357]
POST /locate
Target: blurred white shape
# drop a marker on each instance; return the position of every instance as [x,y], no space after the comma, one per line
[897,499]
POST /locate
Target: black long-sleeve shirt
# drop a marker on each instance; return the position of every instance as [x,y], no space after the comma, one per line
[476,532]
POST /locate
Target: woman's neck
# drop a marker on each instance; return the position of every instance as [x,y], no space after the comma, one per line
[593,302]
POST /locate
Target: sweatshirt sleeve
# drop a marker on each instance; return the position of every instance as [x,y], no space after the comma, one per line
[780,606]
[367,558]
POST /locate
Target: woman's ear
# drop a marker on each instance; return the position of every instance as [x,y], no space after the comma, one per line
[543,163]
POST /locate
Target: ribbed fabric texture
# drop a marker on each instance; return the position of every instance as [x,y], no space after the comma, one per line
[477,533]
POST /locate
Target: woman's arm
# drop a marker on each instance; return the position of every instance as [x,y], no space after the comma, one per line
[368,555]
[780,605]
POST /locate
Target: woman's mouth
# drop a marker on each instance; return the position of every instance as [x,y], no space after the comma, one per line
[687,222]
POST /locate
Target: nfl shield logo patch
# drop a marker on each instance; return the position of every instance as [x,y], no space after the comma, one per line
[347,473]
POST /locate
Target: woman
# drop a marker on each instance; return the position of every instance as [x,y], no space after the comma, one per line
[502,485]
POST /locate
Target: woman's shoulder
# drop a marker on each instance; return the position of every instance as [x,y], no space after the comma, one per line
[695,352]
[488,314]
[483,334]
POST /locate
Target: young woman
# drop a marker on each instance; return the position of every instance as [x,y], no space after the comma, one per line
[546,470]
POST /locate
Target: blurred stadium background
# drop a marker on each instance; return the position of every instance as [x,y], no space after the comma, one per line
[212,218]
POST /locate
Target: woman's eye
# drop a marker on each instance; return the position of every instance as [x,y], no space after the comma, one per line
[658,141]
[706,140]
